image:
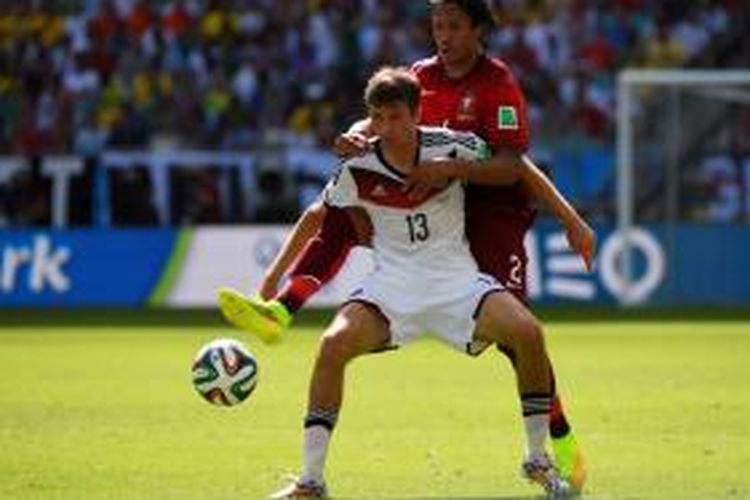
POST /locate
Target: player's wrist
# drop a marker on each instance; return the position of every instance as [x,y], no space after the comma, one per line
[571,220]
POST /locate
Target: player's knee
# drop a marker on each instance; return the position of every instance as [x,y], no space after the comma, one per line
[529,333]
[335,348]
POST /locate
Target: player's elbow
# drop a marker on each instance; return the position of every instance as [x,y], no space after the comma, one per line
[497,176]
[509,175]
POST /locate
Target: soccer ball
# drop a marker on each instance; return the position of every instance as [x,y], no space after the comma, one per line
[225,372]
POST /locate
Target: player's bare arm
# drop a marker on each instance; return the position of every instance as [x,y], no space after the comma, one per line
[500,170]
[307,225]
[581,237]
[355,141]
[505,168]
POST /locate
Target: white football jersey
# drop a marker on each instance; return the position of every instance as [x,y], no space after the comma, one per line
[420,250]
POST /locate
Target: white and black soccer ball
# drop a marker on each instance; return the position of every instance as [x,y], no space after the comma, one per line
[225,372]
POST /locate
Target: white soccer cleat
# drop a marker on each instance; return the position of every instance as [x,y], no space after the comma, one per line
[539,469]
[301,489]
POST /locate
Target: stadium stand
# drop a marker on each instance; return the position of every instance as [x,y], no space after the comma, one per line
[95,75]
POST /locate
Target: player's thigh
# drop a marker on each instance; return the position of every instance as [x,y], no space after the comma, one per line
[357,328]
[502,318]
[503,258]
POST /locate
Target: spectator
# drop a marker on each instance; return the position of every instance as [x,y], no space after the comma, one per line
[177,69]
[664,50]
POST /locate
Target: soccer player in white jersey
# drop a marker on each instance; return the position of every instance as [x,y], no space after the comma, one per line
[419,244]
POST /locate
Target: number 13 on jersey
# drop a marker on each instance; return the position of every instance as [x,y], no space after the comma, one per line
[419,230]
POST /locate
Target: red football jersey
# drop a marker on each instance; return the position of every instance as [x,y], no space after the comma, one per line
[487,101]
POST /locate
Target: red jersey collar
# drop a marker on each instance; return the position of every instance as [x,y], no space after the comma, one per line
[481,61]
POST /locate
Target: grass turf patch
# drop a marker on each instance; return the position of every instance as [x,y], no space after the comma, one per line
[109,412]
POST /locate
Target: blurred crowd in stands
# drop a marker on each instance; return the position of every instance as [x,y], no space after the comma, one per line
[83,76]
[222,73]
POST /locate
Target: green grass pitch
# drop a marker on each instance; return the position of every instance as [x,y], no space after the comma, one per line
[661,408]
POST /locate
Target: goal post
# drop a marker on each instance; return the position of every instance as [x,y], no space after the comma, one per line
[659,114]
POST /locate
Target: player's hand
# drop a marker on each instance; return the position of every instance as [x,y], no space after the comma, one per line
[582,240]
[351,144]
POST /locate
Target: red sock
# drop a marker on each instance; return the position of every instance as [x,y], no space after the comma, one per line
[297,291]
[558,424]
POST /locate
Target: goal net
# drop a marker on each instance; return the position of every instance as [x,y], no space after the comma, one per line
[683,152]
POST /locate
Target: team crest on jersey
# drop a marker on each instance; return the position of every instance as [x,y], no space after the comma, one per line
[467,108]
[507,118]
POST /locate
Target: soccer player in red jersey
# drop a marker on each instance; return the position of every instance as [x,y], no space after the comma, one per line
[463,89]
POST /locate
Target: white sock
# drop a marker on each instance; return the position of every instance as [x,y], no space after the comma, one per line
[315,451]
[537,427]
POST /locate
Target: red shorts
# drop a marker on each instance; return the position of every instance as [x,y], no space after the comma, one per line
[497,242]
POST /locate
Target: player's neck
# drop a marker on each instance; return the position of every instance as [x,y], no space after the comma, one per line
[401,155]
[460,68]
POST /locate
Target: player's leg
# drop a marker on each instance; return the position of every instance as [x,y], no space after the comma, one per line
[502,319]
[319,262]
[565,448]
[358,328]
[506,260]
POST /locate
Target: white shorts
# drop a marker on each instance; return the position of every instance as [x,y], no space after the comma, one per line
[452,322]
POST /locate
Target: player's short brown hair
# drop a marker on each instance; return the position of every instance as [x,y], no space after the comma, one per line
[389,85]
[477,10]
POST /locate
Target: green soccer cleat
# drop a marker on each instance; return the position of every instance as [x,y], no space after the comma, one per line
[267,319]
[569,461]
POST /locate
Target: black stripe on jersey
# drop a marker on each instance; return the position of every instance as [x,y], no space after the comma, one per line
[468,141]
[435,138]
[388,166]
[391,168]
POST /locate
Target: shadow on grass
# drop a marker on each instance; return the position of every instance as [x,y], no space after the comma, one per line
[50,317]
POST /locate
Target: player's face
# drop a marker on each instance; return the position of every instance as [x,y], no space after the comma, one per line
[456,40]
[394,123]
